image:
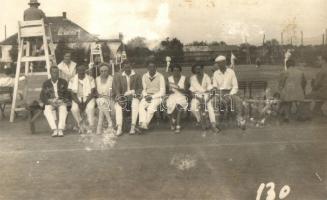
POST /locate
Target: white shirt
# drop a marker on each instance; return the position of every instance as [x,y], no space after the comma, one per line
[180,84]
[104,88]
[128,78]
[55,88]
[203,87]
[67,72]
[82,88]
[225,81]
[153,85]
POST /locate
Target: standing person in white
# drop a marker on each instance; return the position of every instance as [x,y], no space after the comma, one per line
[225,81]
[154,89]
[54,95]
[288,56]
[82,87]
[127,88]
[177,100]
[200,85]
[104,100]
[67,67]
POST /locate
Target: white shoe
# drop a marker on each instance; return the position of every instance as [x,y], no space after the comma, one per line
[60,133]
[119,131]
[144,126]
[55,133]
[132,131]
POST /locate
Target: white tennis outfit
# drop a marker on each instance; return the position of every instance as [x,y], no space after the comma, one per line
[200,89]
[104,102]
[176,98]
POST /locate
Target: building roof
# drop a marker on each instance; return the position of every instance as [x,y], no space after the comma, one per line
[210,48]
[62,29]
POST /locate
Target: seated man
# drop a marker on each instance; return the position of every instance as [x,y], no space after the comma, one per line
[33,12]
[82,87]
[128,88]
[200,86]
[225,81]
[54,95]
[154,89]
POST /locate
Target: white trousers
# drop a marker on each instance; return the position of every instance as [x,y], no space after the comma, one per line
[51,116]
[105,109]
[90,112]
[196,111]
[135,112]
[147,110]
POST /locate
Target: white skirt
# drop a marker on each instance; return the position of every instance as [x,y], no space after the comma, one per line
[174,100]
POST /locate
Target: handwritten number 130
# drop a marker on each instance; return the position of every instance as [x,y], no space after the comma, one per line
[271,195]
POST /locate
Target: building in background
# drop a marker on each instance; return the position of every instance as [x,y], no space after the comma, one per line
[65,34]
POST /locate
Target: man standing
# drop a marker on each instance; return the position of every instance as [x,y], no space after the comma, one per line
[154,89]
[225,81]
[33,12]
[67,67]
[319,86]
[127,88]
[55,95]
[83,90]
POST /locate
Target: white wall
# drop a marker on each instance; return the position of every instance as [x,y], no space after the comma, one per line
[5,49]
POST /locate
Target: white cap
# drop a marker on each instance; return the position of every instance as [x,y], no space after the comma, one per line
[220,58]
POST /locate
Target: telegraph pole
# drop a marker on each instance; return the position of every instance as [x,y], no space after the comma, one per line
[323,39]
[301,38]
[5,31]
[281,38]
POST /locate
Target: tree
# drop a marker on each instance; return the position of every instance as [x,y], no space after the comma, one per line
[137,50]
[199,43]
[172,48]
[137,42]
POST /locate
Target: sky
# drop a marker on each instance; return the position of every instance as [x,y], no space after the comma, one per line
[232,21]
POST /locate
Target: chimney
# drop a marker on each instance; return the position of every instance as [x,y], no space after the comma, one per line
[64,15]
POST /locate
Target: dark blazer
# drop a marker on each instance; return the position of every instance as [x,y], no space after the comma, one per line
[119,85]
[47,91]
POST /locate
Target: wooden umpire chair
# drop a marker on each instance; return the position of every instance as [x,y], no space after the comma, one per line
[34,80]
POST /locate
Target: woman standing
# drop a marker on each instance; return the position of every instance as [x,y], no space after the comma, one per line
[176,101]
[292,88]
[104,87]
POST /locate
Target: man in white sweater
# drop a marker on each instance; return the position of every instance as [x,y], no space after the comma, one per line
[154,89]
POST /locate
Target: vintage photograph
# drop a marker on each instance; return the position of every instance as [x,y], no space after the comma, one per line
[163,99]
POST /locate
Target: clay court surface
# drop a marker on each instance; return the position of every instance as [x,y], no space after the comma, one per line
[163,165]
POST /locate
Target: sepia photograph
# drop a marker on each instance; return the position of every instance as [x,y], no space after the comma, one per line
[163,100]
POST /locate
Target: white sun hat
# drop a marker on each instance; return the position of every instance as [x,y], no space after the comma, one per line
[220,58]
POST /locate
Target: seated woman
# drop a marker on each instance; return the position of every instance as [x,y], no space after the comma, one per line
[292,86]
[200,86]
[177,100]
[104,88]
